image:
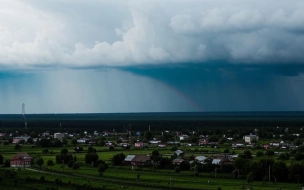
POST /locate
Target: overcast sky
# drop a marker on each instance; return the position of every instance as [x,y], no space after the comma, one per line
[77,56]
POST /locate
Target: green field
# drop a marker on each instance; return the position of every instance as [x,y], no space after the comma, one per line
[87,177]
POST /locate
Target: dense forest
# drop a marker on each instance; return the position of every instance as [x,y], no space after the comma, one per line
[205,123]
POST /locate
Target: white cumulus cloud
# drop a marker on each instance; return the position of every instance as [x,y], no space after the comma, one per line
[78,33]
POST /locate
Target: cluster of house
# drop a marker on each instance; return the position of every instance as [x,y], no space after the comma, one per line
[145,160]
[22,159]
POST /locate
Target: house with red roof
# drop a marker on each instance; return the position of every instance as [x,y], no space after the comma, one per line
[21,159]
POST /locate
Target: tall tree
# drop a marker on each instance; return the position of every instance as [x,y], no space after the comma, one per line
[39,161]
[118,159]
[102,168]
[50,163]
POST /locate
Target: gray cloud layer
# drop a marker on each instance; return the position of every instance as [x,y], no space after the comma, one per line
[76,33]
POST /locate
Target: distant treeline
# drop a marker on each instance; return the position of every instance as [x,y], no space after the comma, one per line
[156,121]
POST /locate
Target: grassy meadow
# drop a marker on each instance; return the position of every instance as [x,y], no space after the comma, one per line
[87,177]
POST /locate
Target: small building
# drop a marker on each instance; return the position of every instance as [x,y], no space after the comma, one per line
[216,161]
[128,159]
[177,161]
[21,159]
[275,144]
[154,142]
[179,153]
[250,138]
[201,159]
[59,136]
[140,145]
[162,145]
[203,142]
[183,137]
[16,140]
[83,141]
[222,161]
[237,145]
[137,160]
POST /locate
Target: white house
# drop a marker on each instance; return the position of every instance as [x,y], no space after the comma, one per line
[58,136]
[83,140]
[201,159]
[250,138]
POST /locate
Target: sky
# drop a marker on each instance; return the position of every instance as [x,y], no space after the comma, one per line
[100,56]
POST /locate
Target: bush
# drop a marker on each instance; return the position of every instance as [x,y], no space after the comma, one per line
[91,157]
[174,148]
[42,178]
[64,151]
[7,163]
[111,147]
[118,159]
[196,173]
[70,163]
[45,151]
[1,159]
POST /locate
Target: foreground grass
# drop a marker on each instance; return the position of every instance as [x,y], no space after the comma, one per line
[114,178]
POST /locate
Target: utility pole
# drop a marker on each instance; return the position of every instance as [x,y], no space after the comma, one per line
[269,173]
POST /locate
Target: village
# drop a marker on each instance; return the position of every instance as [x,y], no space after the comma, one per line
[126,158]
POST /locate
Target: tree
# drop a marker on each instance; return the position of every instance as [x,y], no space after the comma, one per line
[91,158]
[247,154]
[101,142]
[50,163]
[213,138]
[56,143]
[45,151]
[297,176]
[17,147]
[155,157]
[284,156]
[63,158]
[118,159]
[250,177]
[102,168]
[39,161]
[76,166]
[296,168]
[7,163]
[91,149]
[260,167]
[299,156]
[30,141]
[193,139]
[279,170]
[297,142]
[74,141]
[184,166]
[64,141]
[44,142]
[164,162]
[177,169]
[148,135]
[1,159]
[259,154]
[64,151]
[269,153]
